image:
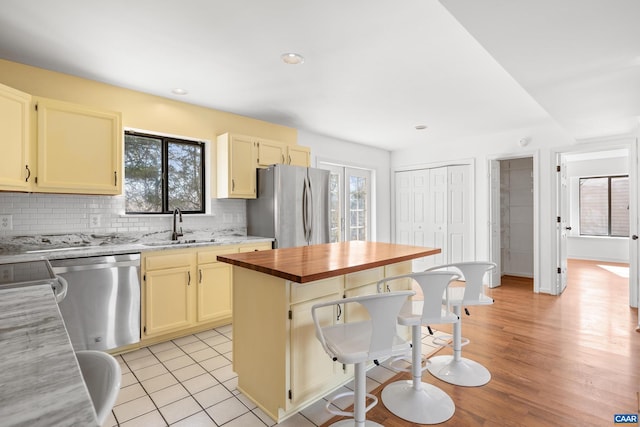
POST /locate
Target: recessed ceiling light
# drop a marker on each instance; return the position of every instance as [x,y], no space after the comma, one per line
[421,127]
[292,58]
[179,91]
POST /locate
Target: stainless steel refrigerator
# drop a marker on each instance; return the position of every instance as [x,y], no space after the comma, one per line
[292,206]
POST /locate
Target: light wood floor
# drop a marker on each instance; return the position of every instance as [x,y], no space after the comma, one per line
[572,360]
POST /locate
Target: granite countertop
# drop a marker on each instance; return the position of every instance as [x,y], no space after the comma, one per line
[310,263]
[41,380]
[73,245]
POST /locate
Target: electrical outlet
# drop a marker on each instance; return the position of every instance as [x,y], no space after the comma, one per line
[95,220]
[6,222]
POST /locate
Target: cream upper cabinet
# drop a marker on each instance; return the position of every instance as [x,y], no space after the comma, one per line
[236,171]
[79,149]
[15,165]
[298,155]
[271,153]
[274,152]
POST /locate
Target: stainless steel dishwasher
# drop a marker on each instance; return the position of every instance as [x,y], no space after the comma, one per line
[102,308]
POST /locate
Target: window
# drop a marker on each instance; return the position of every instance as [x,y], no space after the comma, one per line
[604,206]
[163,173]
[350,203]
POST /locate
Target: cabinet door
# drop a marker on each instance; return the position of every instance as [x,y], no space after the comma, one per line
[79,149]
[14,136]
[312,370]
[271,153]
[214,291]
[236,172]
[299,156]
[168,300]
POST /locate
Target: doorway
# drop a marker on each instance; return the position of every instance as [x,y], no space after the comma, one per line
[512,218]
[600,212]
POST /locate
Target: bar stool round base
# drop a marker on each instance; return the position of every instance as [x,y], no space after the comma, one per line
[463,372]
[429,405]
[350,422]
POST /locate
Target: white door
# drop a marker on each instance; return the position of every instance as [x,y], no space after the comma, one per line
[459,240]
[562,224]
[494,222]
[634,280]
[350,202]
[404,208]
[358,204]
[438,215]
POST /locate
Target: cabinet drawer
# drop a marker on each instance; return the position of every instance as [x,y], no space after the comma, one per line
[397,269]
[320,288]
[365,277]
[170,260]
[209,256]
[256,247]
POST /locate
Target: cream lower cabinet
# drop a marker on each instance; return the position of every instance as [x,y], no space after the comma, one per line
[169,284]
[280,363]
[214,285]
[312,370]
[185,290]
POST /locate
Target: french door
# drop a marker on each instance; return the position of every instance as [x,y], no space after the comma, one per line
[350,202]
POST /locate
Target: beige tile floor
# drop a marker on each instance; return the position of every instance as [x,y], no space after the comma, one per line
[190,382]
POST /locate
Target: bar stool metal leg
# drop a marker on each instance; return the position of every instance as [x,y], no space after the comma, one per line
[416,401]
[456,369]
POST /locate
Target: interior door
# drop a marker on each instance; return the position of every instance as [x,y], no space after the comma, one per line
[634,280]
[404,207]
[438,216]
[459,240]
[562,224]
[494,222]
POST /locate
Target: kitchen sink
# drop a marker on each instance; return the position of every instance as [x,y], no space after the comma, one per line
[179,242]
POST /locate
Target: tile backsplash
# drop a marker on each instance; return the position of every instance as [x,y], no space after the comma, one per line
[36,213]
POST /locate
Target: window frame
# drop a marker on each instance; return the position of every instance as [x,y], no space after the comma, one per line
[609,216]
[165,141]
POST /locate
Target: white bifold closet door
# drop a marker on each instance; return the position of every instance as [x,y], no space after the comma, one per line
[433,208]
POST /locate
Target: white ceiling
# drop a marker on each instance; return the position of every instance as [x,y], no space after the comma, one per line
[373,69]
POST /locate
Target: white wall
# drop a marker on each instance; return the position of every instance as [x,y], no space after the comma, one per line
[615,249]
[545,139]
[351,154]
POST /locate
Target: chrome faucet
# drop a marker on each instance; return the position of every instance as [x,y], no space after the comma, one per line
[175,234]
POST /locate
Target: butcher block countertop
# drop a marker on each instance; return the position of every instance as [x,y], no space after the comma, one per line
[310,263]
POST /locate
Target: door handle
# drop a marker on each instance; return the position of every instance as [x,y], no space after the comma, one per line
[568,228]
[634,237]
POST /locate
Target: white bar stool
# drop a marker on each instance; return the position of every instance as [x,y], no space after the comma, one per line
[414,400]
[360,341]
[102,375]
[456,369]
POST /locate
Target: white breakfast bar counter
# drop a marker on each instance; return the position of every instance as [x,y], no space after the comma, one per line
[40,379]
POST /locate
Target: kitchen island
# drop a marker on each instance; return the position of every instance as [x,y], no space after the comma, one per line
[281,366]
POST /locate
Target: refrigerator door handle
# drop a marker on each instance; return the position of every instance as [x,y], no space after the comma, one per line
[310,210]
[305,209]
